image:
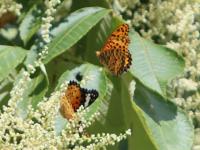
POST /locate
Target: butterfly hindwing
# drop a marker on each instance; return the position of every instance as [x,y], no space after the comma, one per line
[66,109]
[116,61]
[90,97]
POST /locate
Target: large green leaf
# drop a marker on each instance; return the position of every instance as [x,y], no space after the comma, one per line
[10,57]
[170,127]
[141,136]
[30,24]
[72,29]
[153,65]
[92,78]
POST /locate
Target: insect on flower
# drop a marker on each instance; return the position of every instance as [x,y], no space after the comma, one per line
[74,97]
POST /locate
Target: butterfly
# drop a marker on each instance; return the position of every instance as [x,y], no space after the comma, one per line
[115,54]
[74,97]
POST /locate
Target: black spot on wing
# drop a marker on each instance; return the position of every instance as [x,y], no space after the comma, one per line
[79,77]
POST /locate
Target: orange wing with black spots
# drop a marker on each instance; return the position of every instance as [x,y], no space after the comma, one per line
[115,54]
[74,97]
[122,30]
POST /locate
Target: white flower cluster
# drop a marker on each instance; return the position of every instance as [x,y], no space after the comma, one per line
[177,25]
[37,130]
[17,92]
[45,29]
[90,141]
[19,89]
[9,6]
[46,25]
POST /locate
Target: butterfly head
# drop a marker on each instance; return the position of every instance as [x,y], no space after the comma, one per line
[98,53]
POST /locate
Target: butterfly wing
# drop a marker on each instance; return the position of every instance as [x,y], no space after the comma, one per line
[66,108]
[118,40]
[116,60]
[71,101]
[115,54]
[122,30]
[90,97]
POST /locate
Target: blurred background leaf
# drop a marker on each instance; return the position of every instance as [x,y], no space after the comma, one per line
[10,57]
[30,24]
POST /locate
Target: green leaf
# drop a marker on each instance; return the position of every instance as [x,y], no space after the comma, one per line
[10,57]
[30,24]
[54,73]
[5,87]
[73,29]
[32,55]
[92,78]
[133,116]
[153,65]
[170,127]
[77,4]
[40,86]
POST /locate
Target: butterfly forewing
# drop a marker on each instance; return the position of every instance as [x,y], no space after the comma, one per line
[122,30]
[74,95]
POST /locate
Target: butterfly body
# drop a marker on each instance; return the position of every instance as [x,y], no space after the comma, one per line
[115,54]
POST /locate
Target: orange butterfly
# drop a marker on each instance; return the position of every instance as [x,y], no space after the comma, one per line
[74,97]
[115,54]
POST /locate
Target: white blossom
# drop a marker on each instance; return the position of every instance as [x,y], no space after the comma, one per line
[10,6]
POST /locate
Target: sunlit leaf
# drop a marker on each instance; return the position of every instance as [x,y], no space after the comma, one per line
[170,127]
[154,65]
